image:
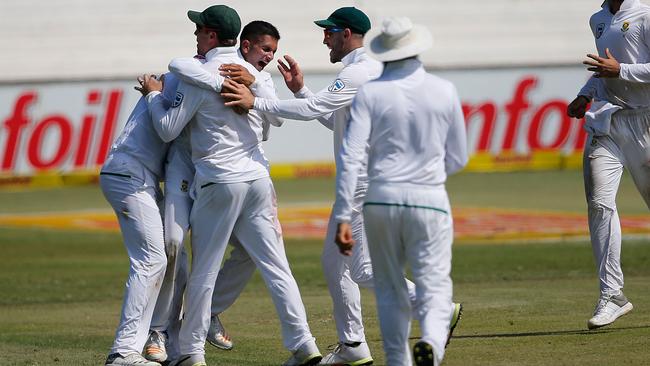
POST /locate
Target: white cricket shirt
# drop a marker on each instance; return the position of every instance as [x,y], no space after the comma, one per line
[413,123]
[627,35]
[225,145]
[138,139]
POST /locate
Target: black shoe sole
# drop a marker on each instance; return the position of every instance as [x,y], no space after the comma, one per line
[423,354]
[313,362]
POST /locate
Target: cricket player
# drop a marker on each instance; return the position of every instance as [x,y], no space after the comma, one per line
[344,31]
[618,125]
[130,182]
[234,193]
[408,127]
[258,43]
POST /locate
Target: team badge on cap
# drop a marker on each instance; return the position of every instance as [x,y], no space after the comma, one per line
[336,86]
[178,99]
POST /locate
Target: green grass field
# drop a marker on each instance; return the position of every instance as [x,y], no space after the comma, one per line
[525,303]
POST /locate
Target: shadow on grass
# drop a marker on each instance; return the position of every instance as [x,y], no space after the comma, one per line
[551,333]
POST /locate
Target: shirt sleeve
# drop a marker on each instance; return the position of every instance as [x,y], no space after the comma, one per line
[325,120]
[353,155]
[456,143]
[169,123]
[338,95]
[636,73]
[590,89]
[189,70]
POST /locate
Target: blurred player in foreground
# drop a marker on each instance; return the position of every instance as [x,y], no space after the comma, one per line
[618,124]
[408,127]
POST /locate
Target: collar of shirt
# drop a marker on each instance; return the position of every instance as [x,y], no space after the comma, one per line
[353,56]
[402,67]
[626,5]
[218,51]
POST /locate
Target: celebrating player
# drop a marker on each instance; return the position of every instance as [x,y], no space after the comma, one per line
[234,193]
[258,43]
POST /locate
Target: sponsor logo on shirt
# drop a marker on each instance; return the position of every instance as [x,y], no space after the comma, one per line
[625,27]
[178,99]
[336,86]
[600,28]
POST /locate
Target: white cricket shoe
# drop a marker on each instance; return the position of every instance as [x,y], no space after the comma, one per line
[217,334]
[307,355]
[132,359]
[423,354]
[455,318]
[608,310]
[154,349]
[343,354]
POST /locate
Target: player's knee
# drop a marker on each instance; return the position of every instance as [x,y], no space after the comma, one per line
[596,205]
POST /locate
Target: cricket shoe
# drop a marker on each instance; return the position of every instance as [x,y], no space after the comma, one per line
[609,309]
[189,360]
[423,354]
[132,359]
[154,349]
[307,355]
[348,355]
[455,318]
[217,334]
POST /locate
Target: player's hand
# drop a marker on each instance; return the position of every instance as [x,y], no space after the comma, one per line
[578,107]
[149,83]
[237,73]
[344,238]
[291,73]
[603,67]
[237,95]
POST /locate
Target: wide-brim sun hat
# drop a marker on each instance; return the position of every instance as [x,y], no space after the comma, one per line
[397,39]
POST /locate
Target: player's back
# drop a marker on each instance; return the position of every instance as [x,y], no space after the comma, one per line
[411,112]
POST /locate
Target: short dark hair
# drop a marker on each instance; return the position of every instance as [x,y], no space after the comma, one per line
[258,28]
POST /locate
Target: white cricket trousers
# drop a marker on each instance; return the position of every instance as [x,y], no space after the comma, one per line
[246,211]
[410,226]
[627,145]
[235,273]
[132,192]
[179,174]
[345,274]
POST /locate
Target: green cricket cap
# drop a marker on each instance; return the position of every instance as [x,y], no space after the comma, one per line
[221,18]
[347,17]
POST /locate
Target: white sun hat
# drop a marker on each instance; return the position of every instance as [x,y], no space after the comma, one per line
[398,39]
